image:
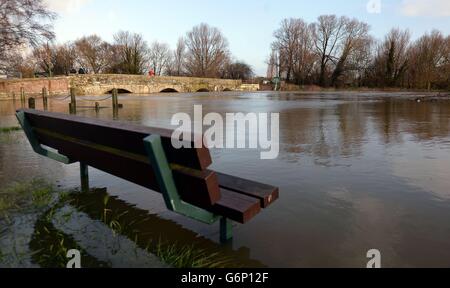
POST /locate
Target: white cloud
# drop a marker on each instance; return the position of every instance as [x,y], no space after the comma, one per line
[433,8]
[66,6]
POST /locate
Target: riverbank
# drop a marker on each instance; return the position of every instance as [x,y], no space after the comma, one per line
[41,223]
[314,88]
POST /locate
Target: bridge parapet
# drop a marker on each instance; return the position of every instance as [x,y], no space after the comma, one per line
[140,84]
[100,84]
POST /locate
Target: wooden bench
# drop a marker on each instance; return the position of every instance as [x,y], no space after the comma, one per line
[145,156]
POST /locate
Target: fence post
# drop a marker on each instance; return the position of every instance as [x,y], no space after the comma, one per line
[115,100]
[84,175]
[44,98]
[73,102]
[115,103]
[31,103]
[22,94]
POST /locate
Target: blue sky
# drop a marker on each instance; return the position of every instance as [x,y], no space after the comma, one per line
[247,24]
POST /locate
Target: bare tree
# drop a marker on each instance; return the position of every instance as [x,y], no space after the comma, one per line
[360,62]
[176,67]
[328,32]
[132,52]
[286,42]
[207,51]
[64,59]
[94,53]
[19,64]
[273,66]
[304,58]
[428,57]
[355,39]
[54,60]
[22,23]
[159,57]
[391,60]
[238,70]
[45,57]
[293,43]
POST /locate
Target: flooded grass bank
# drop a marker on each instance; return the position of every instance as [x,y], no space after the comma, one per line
[9,129]
[60,221]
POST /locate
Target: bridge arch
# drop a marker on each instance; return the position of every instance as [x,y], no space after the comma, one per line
[227,90]
[203,90]
[120,91]
[169,90]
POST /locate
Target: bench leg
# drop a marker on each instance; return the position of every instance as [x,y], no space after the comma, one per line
[164,176]
[226,230]
[84,176]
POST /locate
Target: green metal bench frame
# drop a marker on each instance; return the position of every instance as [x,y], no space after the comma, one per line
[161,168]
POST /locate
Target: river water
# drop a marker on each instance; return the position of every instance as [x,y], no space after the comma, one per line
[356,171]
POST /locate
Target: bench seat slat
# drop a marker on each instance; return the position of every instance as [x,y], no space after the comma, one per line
[122,136]
[265,193]
[237,207]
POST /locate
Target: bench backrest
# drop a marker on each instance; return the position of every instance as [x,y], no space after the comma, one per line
[118,149]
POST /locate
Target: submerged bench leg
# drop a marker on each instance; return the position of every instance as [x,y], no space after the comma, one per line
[226,230]
[84,176]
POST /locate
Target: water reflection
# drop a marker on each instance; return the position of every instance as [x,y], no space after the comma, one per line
[356,171]
[150,232]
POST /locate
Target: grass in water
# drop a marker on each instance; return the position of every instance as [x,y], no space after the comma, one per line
[50,245]
[144,229]
[179,256]
[157,236]
[17,196]
[9,129]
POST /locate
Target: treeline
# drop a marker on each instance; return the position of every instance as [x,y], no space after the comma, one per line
[203,52]
[339,51]
[26,26]
[332,51]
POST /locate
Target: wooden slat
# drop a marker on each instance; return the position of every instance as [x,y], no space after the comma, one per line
[265,193]
[122,136]
[237,207]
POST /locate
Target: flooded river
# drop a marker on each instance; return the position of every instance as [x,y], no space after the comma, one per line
[356,172]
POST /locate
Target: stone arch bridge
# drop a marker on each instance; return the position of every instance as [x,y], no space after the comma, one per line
[101,84]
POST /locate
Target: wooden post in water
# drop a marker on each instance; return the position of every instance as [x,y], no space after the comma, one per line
[22,95]
[31,103]
[115,103]
[84,175]
[115,98]
[97,106]
[44,98]
[73,102]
